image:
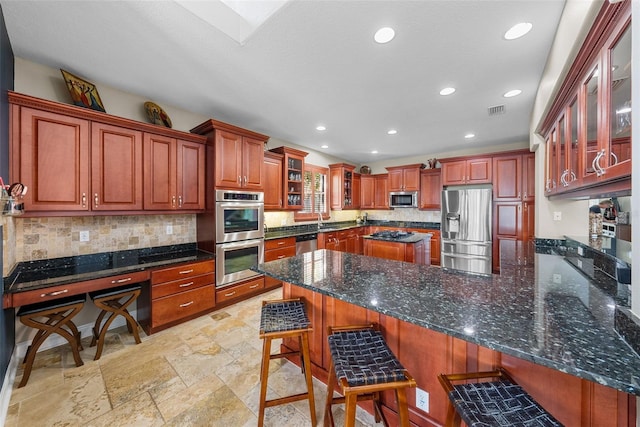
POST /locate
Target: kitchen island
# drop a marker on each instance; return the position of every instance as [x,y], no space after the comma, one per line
[546,323]
[399,246]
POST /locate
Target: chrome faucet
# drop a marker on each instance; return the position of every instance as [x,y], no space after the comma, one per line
[319,220]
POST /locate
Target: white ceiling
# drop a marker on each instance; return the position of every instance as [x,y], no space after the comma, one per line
[312,62]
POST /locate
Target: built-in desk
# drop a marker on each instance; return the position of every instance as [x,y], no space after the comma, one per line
[541,319]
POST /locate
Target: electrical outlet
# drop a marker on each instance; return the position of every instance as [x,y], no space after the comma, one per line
[169,229]
[580,251]
[283,222]
[557,278]
[422,400]
[84,236]
[579,264]
[557,216]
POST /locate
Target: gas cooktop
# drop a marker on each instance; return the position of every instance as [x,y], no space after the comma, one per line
[392,234]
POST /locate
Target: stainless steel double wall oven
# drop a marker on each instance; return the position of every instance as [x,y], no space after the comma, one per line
[239,235]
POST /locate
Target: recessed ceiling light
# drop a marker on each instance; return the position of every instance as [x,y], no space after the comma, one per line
[447,91]
[321,127]
[374,152]
[512,93]
[384,35]
[392,131]
[470,135]
[518,30]
[324,146]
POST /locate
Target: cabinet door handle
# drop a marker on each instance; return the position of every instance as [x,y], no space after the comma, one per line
[84,200]
[53,294]
[128,279]
[230,294]
[186,304]
[547,186]
[245,180]
[518,194]
[186,271]
[254,286]
[184,285]
[600,171]
[573,176]
[239,180]
[95,199]
[173,201]
[615,158]
[179,201]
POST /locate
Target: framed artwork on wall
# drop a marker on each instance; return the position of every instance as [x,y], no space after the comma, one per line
[83,93]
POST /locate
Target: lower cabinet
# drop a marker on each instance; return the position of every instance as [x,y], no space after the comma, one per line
[349,240]
[236,292]
[417,253]
[277,249]
[177,294]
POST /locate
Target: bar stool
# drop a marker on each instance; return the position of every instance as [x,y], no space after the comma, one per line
[364,366]
[58,314]
[501,402]
[109,303]
[285,319]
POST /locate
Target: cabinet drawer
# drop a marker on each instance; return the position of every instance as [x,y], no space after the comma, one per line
[279,243]
[181,305]
[274,254]
[233,292]
[186,284]
[182,271]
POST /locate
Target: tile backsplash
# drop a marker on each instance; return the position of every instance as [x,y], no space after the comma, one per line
[29,239]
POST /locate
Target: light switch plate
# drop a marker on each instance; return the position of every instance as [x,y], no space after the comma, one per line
[557,216]
[422,400]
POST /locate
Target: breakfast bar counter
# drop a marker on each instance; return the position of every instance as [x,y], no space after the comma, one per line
[549,325]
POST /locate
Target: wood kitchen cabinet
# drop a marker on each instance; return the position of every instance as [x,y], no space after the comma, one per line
[239,291]
[367,192]
[468,170]
[357,191]
[273,187]
[277,249]
[174,174]
[237,157]
[381,191]
[430,189]
[177,294]
[588,128]
[292,179]
[82,161]
[405,178]
[341,176]
[418,253]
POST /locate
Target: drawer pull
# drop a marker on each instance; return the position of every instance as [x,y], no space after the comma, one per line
[186,304]
[128,279]
[280,256]
[230,294]
[254,286]
[280,243]
[184,285]
[53,294]
[186,271]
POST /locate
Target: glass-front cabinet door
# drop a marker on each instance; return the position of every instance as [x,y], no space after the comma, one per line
[571,176]
[618,81]
[591,97]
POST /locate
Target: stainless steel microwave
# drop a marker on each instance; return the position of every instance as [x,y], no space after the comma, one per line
[403,199]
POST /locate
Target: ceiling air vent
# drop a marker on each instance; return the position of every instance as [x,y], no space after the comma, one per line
[497,110]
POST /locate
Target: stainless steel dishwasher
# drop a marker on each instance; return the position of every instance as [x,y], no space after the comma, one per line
[306,243]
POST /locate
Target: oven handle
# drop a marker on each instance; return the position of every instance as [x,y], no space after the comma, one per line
[242,205]
[242,244]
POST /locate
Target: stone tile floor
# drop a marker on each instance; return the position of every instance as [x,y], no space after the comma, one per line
[202,373]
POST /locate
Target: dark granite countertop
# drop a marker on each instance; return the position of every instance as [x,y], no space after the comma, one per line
[539,308]
[27,276]
[410,238]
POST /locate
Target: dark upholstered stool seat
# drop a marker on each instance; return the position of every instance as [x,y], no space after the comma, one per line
[500,402]
[363,365]
[285,319]
[110,302]
[58,314]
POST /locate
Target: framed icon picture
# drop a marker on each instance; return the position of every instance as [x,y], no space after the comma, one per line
[83,93]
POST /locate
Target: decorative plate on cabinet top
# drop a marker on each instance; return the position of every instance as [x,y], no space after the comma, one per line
[157,115]
[365,170]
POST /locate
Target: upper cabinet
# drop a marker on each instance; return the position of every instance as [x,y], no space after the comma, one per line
[292,180]
[430,189]
[273,188]
[238,155]
[174,174]
[367,192]
[514,177]
[405,178]
[80,161]
[341,176]
[381,196]
[588,129]
[472,170]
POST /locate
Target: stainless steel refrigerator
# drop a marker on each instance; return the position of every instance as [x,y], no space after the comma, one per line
[466,230]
